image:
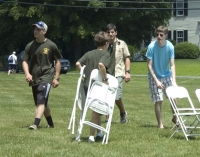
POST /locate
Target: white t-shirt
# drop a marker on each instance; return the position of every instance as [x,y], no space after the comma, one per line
[14,59]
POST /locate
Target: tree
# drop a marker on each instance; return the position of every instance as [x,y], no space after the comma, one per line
[72,24]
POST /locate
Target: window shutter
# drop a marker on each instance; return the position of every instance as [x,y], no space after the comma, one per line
[185,8]
[185,35]
[174,7]
[169,35]
[174,35]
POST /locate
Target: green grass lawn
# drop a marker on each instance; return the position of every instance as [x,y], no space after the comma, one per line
[140,137]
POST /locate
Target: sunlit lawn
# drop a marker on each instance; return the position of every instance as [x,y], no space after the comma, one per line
[140,137]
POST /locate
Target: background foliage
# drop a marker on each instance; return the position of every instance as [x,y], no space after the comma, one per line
[186,50]
[72,24]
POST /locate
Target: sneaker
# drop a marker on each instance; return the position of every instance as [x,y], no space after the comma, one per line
[98,138]
[90,141]
[123,117]
[49,126]
[33,127]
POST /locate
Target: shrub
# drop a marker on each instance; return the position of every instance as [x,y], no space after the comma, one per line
[186,50]
[143,52]
[132,51]
[172,41]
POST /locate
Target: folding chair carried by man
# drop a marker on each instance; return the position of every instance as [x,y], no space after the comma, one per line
[187,115]
[101,99]
[79,100]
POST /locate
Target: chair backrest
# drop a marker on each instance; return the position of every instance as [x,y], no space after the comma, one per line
[179,93]
[96,76]
[101,97]
[197,92]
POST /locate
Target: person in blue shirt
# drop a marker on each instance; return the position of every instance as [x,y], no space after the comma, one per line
[161,70]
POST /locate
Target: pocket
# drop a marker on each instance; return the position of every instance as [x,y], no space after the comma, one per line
[42,87]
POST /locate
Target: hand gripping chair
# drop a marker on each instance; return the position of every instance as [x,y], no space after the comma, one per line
[101,99]
[187,115]
[79,100]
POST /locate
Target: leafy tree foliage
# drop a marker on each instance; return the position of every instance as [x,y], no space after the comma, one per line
[72,24]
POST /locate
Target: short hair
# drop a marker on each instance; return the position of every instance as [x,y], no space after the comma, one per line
[101,38]
[111,26]
[162,29]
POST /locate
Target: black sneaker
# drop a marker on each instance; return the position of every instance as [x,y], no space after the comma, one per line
[49,126]
[98,138]
[123,117]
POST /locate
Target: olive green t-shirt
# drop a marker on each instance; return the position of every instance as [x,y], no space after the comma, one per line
[41,57]
[111,50]
[92,59]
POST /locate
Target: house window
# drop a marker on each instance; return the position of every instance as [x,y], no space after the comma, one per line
[180,35]
[180,8]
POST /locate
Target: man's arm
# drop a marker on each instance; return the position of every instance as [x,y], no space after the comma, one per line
[78,65]
[55,82]
[127,68]
[172,64]
[102,69]
[158,83]
[26,71]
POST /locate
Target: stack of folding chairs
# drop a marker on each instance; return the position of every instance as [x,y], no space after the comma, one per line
[101,99]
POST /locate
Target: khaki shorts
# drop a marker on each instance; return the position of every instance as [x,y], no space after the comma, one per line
[157,93]
[119,89]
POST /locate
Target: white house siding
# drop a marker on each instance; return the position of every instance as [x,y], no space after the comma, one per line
[190,23]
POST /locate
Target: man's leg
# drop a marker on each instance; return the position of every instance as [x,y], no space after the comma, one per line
[119,101]
[96,119]
[47,114]
[38,115]
[158,112]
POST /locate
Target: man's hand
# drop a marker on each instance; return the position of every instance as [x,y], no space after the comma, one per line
[160,85]
[127,77]
[55,83]
[29,78]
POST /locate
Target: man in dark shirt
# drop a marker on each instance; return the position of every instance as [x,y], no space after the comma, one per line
[41,54]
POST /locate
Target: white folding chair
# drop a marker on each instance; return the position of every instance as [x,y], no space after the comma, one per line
[184,110]
[101,99]
[79,100]
[197,92]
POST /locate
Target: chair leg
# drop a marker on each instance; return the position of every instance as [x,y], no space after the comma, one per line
[72,119]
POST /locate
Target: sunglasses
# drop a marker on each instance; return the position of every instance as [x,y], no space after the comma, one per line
[161,35]
[40,24]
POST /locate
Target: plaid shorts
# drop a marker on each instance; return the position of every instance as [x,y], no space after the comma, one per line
[157,93]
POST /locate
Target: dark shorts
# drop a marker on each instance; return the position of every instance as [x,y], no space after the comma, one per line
[11,66]
[41,93]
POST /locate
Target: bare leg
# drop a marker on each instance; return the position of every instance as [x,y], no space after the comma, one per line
[8,72]
[158,114]
[47,111]
[174,118]
[96,118]
[120,105]
[39,111]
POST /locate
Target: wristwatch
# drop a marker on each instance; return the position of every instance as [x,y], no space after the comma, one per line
[58,79]
[128,71]
[105,79]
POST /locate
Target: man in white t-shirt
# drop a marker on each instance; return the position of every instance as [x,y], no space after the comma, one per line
[12,62]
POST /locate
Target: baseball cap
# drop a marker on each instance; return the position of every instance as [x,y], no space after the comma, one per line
[41,25]
[14,52]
